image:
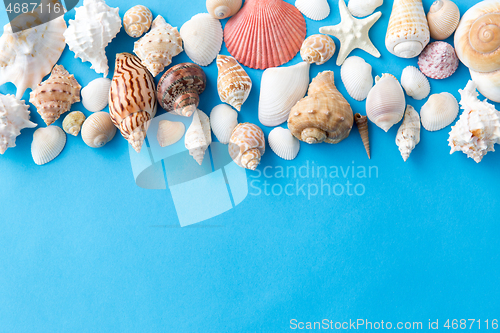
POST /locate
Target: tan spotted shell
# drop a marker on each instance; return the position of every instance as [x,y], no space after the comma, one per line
[247,145]
[317,49]
[137,20]
[233,83]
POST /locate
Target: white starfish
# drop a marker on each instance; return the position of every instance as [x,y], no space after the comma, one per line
[352,33]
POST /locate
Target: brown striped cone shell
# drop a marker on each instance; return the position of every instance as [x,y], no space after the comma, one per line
[55,96]
[179,88]
[132,99]
[137,20]
[247,145]
[443,18]
[362,123]
[324,115]
[233,83]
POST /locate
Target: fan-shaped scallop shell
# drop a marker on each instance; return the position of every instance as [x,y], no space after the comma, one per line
[443,18]
[283,143]
[408,133]
[48,143]
[14,116]
[438,60]
[95,95]
[415,83]
[198,136]
[98,130]
[221,9]
[317,49]
[233,83]
[223,120]
[169,132]
[439,111]
[247,145]
[357,77]
[362,8]
[137,21]
[316,10]
[72,123]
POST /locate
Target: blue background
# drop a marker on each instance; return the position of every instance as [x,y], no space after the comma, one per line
[83,249]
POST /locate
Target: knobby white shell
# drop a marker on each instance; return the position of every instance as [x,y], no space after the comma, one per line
[316,10]
[98,130]
[202,36]
[439,111]
[221,9]
[443,18]
[169,132]
[362,8]
[137,20]
[198,136]
[73,122]
[223,120]
[281,89]
[48,143]
[356,75]
[415,83]
[283,143]
[95,95]
[409,133]
[14,116]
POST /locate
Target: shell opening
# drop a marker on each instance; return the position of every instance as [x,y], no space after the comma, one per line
[408,49]
[485,35]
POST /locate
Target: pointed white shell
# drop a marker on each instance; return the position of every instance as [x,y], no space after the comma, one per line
[223,120]
[415,83]
[488,84]
[202,36]
[169,132]
[357,77]
[362,8]
[48,143]
[283,143]
[409,132]
[95,95]
[281,88]
[443,18]
[316,10]
[14,116]
[221,9]
[439,111]
[198,136]
[98,130]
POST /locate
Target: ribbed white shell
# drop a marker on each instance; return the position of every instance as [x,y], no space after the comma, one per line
[202,36]
[357,77]
[169,132]
[98,130]
[198,136]
[283,143]
[48,143]
[316,10]
[439,111]
[443,18]
[14,116]
[415,83]
[223,120]
[281,88]
[362,8]
[95,95]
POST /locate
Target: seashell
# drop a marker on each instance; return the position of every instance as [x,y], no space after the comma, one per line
[357,77]
[202,36]
[198,136]
[478,128]
[88,37]
[362,8]
[56,95]
[223,120]
[443,18]
[408,133]
[324,115]
[415,83]
[281,88]
[221,9]
[316,10]
[95,95]
[317,49]
[362,123]
[265,33]
[137,20]
[488,84]
[247,145]
[130,114]
[72,124]
[283,143]
[48,143]
[179,88]
[385,104]
[29,55]
[439,111]
[233,83]
[14,116]
[98,130]
[438,60]
[408,31]
[158,46]
[169,132]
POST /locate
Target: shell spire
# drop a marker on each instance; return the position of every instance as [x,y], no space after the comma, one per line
[362,123]
[409,132]
[233,83]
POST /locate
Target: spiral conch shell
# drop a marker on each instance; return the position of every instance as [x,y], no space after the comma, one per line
[198,136]
[221,9]
[247,145]
[443,19]
[73,122]
[14,116]
[317,49]
[233,83]
[137,20]
[324,115]
[409,133]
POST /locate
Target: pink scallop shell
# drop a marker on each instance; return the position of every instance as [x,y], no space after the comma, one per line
[438,60]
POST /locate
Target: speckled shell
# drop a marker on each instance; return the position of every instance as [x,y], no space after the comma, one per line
[324,115]
[247,145]
[137,21]
[357,77]
[223,120]
[72,123]
[48,143]
[362,8]
[439,111]
[317,49]
[221,9]
[316,10]
[198,136]
[283,143]
[438,60]
[14,116]
[415,83]
[233,83]
[179,89]
[169,132]
[98,130]
[409,132]
[95,95]
[132,99]
[56,95]
[362,124]
[443,18]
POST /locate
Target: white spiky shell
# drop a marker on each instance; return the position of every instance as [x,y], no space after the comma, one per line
[202,36]
[48,143]
[385,104]
[158,46]
[356,75]
[443,18]
[98,130]
[439,111]
[14,116]
[283,143]
[221,9]
[317,49]
[408,133]
[95,95]
[137,20]
[488,84]
[72,123]
[198,136]
[281,89]
[169,132]
[223,120]
[94,26]
[316,10]
[362,8]
[415,83]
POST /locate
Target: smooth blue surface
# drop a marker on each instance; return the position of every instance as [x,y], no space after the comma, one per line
[83,249]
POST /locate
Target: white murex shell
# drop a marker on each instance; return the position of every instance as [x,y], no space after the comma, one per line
[362,8]
[14,116]
[415,83]
[281,89]
[95,95]
[94,26]
[439,111]
[283,143]
[98,130]
[202,36]
[169,132]
[223,120]
[409,133]
[316,10]
[48,143]
[356,75]
[198,136]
